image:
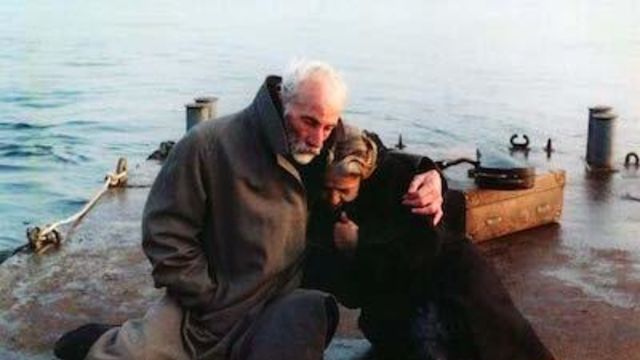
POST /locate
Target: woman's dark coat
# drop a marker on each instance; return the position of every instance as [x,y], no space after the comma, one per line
[401,263]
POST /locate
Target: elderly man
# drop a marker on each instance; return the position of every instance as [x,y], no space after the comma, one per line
[225,227]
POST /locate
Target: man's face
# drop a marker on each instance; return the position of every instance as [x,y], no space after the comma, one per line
[341,189]
[310,118]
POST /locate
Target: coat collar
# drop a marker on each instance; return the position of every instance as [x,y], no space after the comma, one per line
[270,119]
[271,123]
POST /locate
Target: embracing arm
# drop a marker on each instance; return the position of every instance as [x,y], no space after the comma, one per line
[425,195]
[173,223]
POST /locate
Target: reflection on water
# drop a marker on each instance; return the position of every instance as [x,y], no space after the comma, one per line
[77,92]
[598,187]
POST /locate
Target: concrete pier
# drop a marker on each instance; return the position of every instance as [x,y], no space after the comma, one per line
[577,282]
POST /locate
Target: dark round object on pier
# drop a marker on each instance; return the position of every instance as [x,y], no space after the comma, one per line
[504,178]
[496,174]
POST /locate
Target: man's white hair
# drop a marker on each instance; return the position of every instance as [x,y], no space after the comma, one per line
[300,70]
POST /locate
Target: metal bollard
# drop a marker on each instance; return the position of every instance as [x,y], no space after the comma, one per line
[196,113]
[600,137]
[598,109]
[212,105]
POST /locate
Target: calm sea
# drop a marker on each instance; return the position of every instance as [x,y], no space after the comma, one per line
[83,82]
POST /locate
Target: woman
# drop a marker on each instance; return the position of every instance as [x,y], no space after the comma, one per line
[423,292]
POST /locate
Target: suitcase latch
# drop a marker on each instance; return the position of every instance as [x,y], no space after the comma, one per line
[494,220]
[543,208]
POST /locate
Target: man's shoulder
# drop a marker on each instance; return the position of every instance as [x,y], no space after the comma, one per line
[235,137]
[220,129]
[217,126]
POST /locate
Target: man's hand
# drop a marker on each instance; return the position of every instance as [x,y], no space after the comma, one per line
[424,195]
[345,233]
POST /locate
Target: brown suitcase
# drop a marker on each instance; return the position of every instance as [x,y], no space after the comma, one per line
[493,213]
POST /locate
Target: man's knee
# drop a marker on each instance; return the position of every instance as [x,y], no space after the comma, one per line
[310,309]
[297,325]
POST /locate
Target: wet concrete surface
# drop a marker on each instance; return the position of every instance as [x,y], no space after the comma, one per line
[99,275]
[578,281]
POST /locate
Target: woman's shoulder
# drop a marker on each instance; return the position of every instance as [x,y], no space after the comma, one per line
[394,172]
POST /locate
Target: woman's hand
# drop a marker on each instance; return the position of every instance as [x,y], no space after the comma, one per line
[345,233]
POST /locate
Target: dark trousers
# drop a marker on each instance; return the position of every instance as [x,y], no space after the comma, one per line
[298,325]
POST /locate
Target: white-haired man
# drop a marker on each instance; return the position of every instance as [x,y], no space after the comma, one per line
[225,227]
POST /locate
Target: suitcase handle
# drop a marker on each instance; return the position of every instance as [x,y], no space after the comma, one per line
[494,220]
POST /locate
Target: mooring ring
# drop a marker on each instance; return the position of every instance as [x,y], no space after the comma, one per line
[631,155]
[519,146]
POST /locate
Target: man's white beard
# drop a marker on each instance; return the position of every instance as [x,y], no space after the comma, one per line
[303,154]
[300,152]
[303,158]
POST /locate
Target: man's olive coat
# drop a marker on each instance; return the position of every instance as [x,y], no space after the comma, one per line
[225,223]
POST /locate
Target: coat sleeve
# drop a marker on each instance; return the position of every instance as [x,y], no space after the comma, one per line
[422,164]
[327,268]
[173,223]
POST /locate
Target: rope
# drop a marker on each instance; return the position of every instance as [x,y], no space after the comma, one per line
[43,240]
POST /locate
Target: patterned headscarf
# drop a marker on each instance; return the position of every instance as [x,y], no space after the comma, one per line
[354,154]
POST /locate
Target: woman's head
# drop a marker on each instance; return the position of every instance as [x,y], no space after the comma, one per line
[353,160]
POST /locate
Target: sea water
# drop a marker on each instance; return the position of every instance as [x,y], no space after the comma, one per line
[85,82]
